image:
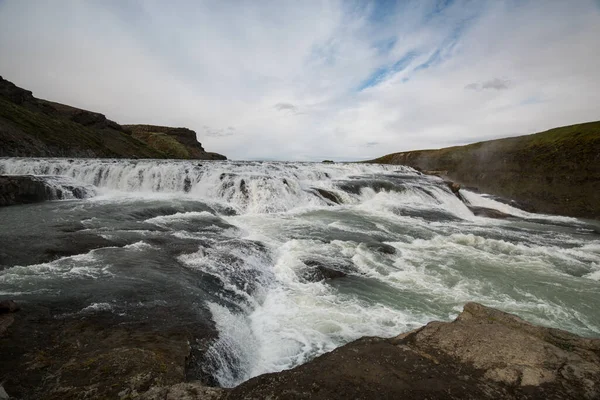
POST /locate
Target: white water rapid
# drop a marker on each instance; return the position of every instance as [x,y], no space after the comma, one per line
[249,241]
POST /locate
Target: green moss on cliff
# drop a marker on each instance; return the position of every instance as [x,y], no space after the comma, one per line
[48,135]
[164,143]
[31,127]
[556,171]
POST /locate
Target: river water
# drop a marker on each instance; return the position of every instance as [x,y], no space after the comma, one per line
[243,244]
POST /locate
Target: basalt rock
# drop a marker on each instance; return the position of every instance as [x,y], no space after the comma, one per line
[318,271]
[488,212]
[24,189]
[8,306]
[326,194]
[483,354]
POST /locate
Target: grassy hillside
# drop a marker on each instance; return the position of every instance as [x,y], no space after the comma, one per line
[28,133]
[31,127]
[556,171]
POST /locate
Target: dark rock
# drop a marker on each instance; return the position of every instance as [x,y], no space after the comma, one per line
[320,272]
[328,162]
[483,354]
[24,189]
[95,356]
[184,391]
[453,186]
[244,188]
[488,212]
[381,247]
[14,93]
[326,194]
[8,306]
[187,184]
[93,119]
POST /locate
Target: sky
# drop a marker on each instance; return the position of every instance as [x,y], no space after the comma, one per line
[313,80]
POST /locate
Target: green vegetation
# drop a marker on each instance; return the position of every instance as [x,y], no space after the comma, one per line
[556,171]
[31,127]
[37,133]
[163,143]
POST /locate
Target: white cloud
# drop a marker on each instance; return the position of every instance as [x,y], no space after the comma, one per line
[313,80]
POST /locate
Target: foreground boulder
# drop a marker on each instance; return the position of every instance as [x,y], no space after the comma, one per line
[483,354]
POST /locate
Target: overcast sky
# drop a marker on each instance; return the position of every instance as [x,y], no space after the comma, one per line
[309,80]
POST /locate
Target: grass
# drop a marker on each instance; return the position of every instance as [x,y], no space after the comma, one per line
[555,171]
[164,143]
[59,133]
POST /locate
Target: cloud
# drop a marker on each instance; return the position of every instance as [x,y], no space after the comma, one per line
[208,131]
[286,107]
[496,84]
[350,73]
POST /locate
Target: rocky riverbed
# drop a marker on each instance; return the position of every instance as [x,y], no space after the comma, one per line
[483,354]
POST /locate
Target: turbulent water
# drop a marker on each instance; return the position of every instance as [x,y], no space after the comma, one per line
[243,243]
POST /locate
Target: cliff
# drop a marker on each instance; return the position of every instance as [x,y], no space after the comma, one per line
[175,142]
[32,127]
[555,172]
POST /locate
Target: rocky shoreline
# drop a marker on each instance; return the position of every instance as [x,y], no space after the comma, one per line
[483,354]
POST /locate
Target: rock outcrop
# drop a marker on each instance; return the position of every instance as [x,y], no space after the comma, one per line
[555,172]
[24,189]
[175,142]
[483,354]
[31,127]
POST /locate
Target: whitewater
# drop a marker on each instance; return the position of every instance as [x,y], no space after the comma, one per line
[245,244]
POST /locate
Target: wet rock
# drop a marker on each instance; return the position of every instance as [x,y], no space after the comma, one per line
[381,248]
[483,354]
[453,186]
[328,162]
[8,306]
[488,212]
[244,188]
[326,194]
[320,272]
[23,189]
[187,184]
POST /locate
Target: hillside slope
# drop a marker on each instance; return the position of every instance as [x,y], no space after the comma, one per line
[31,127]
[556,171]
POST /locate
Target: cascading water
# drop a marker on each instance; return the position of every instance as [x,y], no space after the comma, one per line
[255,247]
